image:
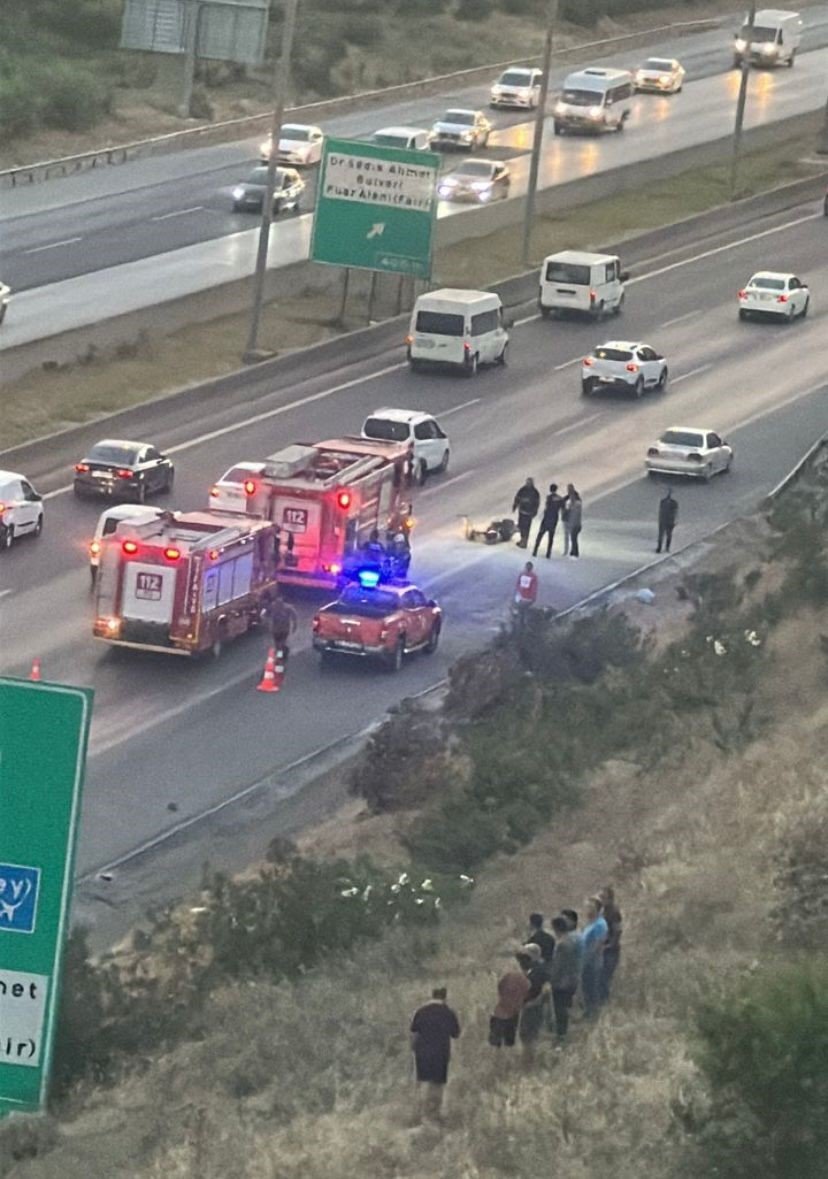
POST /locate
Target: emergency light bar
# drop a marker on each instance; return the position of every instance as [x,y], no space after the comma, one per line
[368,578]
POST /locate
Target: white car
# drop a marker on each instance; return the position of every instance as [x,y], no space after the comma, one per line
[475,180]
[432,448]
[689,450]
[660,75]
[462,129]
[5,299]
[299,144]
[768,293]
[108,522]
[230,493]
[632,368]
[409,138]
[21,509]
[519,86]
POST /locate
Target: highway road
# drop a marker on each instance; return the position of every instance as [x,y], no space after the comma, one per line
[171,739]
[175,210]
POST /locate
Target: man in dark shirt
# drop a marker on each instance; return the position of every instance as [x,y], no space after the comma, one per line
[667,516]
[549,521]
[526,504]
[433,1027]
[612,946]
[539,936]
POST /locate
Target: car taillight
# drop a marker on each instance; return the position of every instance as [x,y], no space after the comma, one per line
[652,452]
[315,624]
[2,508]
[172,554]
[94,548]
[344,499]
[130,547]
[631,368]
[383,634]
[214,493]
[587,362]
[742,294]
[409,339]
[694,458]
[467,348]
[81,467]
[213,554]
[123,473]
[781,298]
[249,486]
[593,295]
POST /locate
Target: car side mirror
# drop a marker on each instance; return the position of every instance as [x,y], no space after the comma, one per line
[624,276]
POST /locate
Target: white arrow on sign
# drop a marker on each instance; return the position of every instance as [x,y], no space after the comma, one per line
[376,230]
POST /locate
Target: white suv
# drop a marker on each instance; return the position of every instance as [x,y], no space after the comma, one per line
[621,365]
[21,509]
[432,448]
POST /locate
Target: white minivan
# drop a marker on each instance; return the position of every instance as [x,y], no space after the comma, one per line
[461,329]
[594,100]
[574,280]
[775,38]
[411,138]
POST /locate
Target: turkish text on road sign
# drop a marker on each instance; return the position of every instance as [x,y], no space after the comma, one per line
[18,897]
[378,182]
[22,1012]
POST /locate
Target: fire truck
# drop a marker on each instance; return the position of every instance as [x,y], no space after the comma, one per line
[184,583]
[326,500]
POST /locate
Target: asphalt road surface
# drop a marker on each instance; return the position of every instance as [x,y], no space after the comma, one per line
[68,227]
[171,739]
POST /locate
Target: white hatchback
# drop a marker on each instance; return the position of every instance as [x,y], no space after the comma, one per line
[231,492]
[783,296]
[660,75]
[688,450]
[432,448]
[622,365]
[21,509]
[108,522]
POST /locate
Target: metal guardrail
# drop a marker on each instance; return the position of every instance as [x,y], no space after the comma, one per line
[251,124]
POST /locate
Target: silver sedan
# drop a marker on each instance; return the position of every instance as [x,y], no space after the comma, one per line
[689,450]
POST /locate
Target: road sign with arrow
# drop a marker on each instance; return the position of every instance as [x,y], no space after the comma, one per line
[375,208]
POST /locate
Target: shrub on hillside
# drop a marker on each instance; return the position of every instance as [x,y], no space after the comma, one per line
[93,24]
[764,1051]
[73,99]
[800,857]
[474,10]
[19,107]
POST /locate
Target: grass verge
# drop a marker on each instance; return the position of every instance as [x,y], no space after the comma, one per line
[42,402]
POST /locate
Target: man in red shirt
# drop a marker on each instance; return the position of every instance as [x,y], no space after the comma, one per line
[526,593]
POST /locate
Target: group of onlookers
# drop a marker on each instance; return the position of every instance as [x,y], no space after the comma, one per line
[566,509]
[552,967]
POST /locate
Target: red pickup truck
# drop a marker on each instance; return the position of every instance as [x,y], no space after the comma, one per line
[386,622]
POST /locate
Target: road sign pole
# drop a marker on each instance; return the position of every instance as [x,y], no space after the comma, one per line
[191,32]
[540,117]
[346,282]
[742,101]
[251,353]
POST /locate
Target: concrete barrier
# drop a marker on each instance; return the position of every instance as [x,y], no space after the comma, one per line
[314,112]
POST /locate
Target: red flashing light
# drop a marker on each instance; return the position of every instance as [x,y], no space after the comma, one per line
[130,548]
[123,473]
[81,467]
[344,499]
[213,554]
[172,554]
[250,487]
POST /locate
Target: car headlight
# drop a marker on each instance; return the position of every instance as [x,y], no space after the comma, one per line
[467,136]
[238,193]
[560,109]
[665,79]
[496,91]
[770,48]
[595,112]
[266,147]
[740,44]
[525,91]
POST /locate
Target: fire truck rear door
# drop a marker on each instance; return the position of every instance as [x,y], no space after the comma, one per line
[302,520]
[149,592]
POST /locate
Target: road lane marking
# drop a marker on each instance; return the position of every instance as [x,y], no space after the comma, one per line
[526,319]
[5,592]
[694,372]
[575,425]
[446,413]
[448,483]
[67,241]
[557,368]
[680,318]
[177,213]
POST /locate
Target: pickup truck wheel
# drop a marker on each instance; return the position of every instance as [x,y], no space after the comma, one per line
[394,658]
[433,641]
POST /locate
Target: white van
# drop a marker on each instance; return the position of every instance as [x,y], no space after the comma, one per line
[775,38]
[594,100]
[573,280]
[412,138]
[462,329]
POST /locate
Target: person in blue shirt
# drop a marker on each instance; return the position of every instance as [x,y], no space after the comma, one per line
[595,935]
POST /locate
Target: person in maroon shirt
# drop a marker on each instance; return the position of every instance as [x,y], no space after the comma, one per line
[433,1027]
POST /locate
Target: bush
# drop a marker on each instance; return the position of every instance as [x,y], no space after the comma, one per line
[474,10]
[764,1051]
[19,106]
[800,858]
[73,99]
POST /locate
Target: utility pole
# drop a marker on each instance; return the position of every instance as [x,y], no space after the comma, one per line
[193,16]
[280,88]
[540,116]
[740,104]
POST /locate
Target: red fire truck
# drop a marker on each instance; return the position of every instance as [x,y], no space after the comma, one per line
[327,499]
[184,583]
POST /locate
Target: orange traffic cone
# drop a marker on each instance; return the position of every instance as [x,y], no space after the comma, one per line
[34,674]
[279,670]
[268,680]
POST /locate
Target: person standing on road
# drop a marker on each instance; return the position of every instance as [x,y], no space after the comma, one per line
[549,520]
[612,946]
[563,974]
[526,504]
[433,1028]
[526,593]
[667,516]
[572,521]
[595,934]
[282,620]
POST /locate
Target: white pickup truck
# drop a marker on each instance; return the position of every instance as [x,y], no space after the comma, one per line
[618,364]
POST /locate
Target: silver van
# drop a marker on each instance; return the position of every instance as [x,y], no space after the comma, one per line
[594,100]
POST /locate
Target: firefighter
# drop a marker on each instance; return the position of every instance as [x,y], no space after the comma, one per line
[281,618]
[374,552]
[399,555]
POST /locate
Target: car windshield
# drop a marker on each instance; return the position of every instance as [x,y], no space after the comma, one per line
[439,323]
[370,603]
[385,428]
[658,63]
[297,134]
[237,475]
[258,177]
[613,354]
[474,168]
[569,272]
[682,438]
[391,140]
[466,118]
[759,33]
[515,78]
[582,97]
[124,456]
[769,284]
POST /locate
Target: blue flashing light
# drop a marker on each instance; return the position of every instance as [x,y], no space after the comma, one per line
[369,578]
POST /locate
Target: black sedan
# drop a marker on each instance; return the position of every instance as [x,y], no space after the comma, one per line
[123,470]
[248,197]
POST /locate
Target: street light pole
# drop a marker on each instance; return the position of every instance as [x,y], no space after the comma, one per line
[740,104]
[280,87]
[193,12]
[540,115]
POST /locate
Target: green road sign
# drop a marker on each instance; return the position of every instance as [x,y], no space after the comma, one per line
[43,734]
[375,208]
